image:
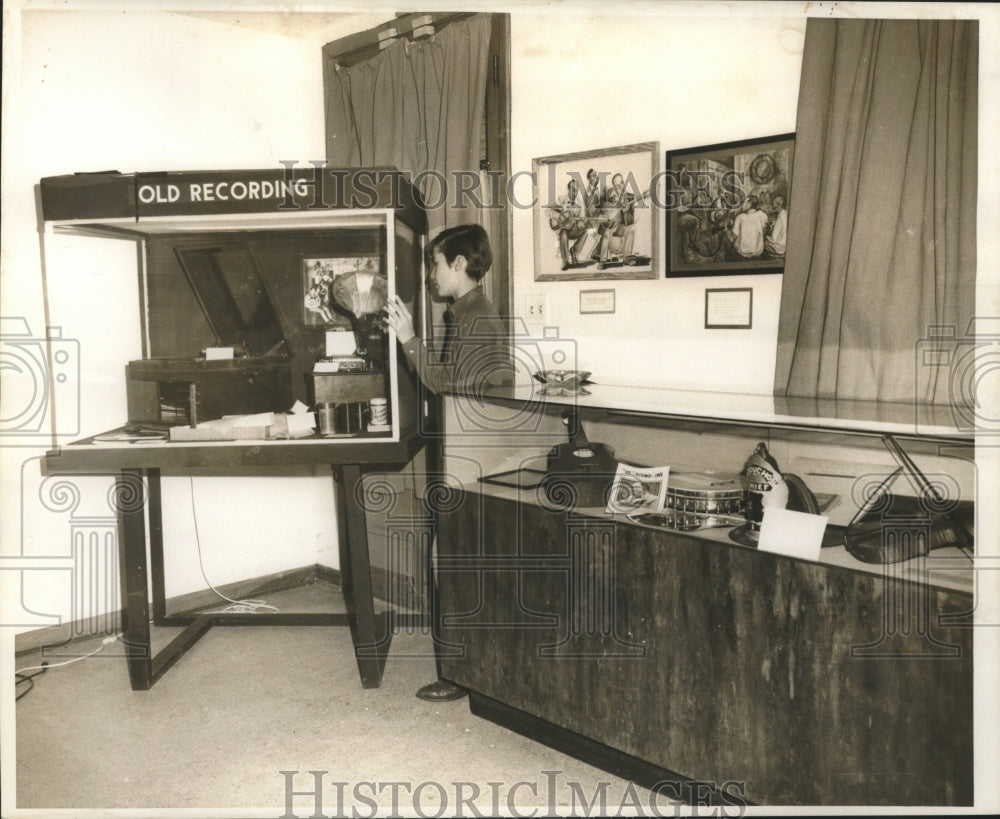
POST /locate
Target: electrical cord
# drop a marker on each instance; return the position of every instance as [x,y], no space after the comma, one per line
[21,677]
[245,606]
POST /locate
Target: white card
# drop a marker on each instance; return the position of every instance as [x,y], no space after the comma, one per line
[340,343]
[301,421]
[796,534]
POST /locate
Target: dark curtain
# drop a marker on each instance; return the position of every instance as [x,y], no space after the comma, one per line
[417,106]
[882,220]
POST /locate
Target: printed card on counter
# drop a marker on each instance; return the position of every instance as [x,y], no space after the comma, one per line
[791,533]
[638,489]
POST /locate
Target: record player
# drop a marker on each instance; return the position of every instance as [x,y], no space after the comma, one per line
[354,368]
[246,371]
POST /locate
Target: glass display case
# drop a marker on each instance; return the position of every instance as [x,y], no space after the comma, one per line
[259,298]
[261,293]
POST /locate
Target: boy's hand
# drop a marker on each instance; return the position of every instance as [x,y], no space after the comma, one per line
[399,318]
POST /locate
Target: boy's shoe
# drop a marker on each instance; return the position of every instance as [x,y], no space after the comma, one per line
[441,691]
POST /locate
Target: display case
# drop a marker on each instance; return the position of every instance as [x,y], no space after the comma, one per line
[261,292]
[262,350]
[691,662]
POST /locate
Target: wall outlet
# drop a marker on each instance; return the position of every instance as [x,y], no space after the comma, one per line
[536,308]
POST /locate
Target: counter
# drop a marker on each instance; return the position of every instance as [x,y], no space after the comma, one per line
[930,422]
[673,657]
[679,657]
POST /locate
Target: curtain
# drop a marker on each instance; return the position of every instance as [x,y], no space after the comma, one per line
[881,247]
[416,106]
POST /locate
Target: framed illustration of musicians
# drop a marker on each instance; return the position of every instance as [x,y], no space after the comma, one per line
[595,214]
[727,207]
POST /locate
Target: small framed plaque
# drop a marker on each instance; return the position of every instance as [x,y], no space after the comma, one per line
[729,308]
[597,301]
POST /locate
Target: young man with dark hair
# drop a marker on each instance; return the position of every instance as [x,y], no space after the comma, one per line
[476,350]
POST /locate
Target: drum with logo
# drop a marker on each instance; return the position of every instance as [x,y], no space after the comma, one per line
[701,500]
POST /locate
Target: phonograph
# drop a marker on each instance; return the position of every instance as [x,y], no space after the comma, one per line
[256,294]
[354,368]
[247,368]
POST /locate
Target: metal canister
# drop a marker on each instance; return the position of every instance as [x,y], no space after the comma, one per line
[326,414]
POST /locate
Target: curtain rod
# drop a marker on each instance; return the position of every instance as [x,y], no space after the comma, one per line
[418,25]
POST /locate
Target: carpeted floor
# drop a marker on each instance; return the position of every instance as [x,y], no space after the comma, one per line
[245,705]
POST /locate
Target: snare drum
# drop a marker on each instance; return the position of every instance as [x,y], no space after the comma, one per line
[700,500]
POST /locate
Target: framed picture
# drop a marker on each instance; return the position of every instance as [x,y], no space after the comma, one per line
[727,207]
[320,306]
[594,214]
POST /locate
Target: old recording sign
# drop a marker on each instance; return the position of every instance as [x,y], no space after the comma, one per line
[109,195]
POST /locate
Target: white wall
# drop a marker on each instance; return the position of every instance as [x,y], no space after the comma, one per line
[682,75]
[136,90]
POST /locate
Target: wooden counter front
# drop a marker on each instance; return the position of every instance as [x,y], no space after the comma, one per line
[801,683]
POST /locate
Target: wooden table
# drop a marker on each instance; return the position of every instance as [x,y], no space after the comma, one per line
[137,469]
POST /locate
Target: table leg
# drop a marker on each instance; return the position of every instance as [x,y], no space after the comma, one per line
[370,633]
[129,501]
[137,493]
[434,454]
[156,545]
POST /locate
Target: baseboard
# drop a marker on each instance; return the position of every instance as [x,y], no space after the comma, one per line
[672,787]
[110,622]
[389,587]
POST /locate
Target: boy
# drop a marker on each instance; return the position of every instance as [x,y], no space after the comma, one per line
[476,350]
